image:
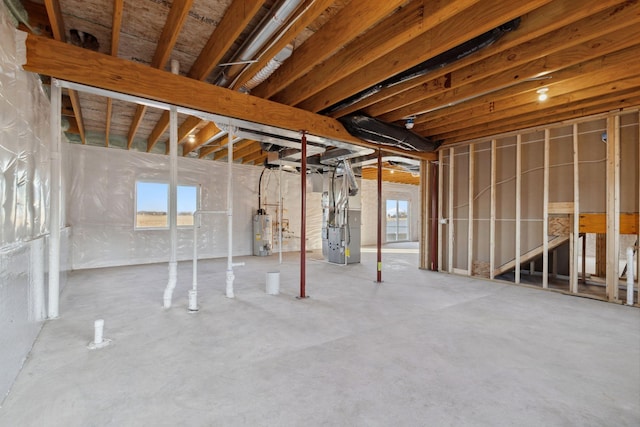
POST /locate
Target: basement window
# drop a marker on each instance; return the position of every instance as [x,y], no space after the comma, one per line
[397,220]
[152,205]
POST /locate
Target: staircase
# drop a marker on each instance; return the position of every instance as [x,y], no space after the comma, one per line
[531,255]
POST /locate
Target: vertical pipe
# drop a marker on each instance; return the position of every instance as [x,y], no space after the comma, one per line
[492,222]
[440,205]
[173,197]
[450,225]
[230,276]
[37,299]
[545,213]
[303,214]
[629,276]
[518,205]
[194,280]
[472,173]
[54,207]
[280,212]
[379,237]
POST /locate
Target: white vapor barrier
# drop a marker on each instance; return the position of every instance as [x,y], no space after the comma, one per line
[390,191]
[24,138]
[102,205]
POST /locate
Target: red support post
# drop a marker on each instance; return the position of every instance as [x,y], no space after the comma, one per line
[379,263]
[303,214]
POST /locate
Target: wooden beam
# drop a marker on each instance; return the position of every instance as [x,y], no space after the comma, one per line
[59,33]
[188,125]
[597,223]
[204,151]
[251,148]
[202,137]
[233,23]
[175,20]
[55,19]
[75,101]
[108,121]
[251,158]
[479,18]
[336,33]
[82,66]
[399,28]
[547,18]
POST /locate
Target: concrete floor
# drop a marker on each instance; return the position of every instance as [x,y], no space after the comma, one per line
[420,349]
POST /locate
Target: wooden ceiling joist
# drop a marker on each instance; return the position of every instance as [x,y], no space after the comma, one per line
[116,25]
[400,28]
[59,33]
[206,133]
[617,65]
[540,21]
[349,22]
[581,41]
[175,20]
[478,19]
[235,19]
[574,110]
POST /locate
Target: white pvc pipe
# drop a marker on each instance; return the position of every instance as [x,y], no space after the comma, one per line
[98,329]
[230,277]
[173,197]
[630,268]
[38,310]
[54,205]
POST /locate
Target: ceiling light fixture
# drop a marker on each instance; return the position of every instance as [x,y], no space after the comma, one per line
[191,138]
[542,94]
[409,123]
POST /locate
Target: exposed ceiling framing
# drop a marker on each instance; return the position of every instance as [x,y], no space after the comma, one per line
[586,54]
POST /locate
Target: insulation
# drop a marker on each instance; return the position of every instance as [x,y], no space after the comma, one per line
[102,208]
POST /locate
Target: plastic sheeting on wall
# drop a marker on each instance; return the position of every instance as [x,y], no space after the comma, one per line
[101,207]
[24,135]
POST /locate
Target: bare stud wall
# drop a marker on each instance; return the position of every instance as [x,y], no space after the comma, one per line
[585,174]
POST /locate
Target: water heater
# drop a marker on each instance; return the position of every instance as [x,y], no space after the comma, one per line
[262,234]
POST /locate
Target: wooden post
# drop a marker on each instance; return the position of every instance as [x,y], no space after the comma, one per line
[492,227]
[425,200]
[450,225]
[574,234]
[613,205]
[545,213]
[440,213]
[518,203]
[472,172]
